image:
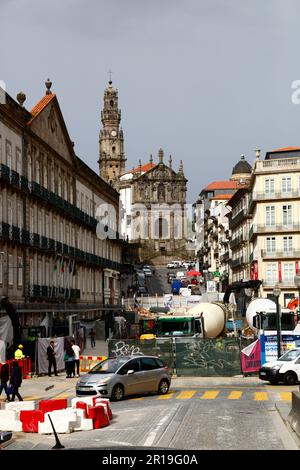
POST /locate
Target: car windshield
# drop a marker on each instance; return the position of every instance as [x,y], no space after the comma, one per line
[109,366]
[290,355]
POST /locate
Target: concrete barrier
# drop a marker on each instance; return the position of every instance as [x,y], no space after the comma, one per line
[294,415]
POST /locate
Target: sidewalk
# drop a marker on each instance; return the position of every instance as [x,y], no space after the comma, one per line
[99,350]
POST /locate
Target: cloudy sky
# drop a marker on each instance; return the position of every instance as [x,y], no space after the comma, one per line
[206,80]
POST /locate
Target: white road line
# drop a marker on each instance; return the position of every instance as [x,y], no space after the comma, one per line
[152,435]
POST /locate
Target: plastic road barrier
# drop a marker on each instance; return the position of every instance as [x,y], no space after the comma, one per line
[88,362]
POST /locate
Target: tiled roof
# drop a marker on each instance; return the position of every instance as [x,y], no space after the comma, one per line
[227,184]
[226,197]
[42,104]
[285,149]
[143,168]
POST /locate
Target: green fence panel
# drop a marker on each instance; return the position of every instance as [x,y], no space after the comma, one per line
[162,348]
[207,357]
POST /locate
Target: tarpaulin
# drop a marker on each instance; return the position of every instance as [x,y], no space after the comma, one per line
[43,344]
[2,352]
[250,357]
[6,329]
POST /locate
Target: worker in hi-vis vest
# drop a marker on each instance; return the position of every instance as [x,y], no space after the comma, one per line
[19,353]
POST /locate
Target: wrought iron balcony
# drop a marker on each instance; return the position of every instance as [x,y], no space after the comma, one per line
[4,173]
[14,179]
[4,230]
[234,221]
[236,241]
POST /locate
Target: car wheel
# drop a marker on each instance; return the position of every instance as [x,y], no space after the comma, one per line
[117,393]
[290,378]
[163,387]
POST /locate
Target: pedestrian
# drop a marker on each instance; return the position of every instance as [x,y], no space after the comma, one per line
[51,358]
[92,336]
[4,375]
[69,361]
[15,381]
[19,353]
[76,350]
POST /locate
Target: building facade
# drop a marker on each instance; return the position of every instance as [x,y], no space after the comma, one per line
[51,258]
[275,231]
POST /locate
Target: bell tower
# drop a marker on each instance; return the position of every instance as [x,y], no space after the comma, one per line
[111,142]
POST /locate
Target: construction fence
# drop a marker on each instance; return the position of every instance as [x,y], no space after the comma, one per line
[187,356]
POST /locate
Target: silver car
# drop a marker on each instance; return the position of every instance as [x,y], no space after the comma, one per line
[125,375]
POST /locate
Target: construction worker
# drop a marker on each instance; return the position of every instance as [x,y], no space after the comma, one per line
[19,352]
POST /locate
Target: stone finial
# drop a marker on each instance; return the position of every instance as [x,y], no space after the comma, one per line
[151,158]
[180,171]
[242,157]
[161,156]
[170,161]
[140,165]
[21,97]
[257,154]
[48,84]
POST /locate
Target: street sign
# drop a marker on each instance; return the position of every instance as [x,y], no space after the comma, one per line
[217,274]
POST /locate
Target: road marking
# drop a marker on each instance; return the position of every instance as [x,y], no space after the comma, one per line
[210,395]
[33,397]
[152,435]
[285,396]
[235,395]
[186,395]
[260,396]
[141,398]
[63,395]
[166,397]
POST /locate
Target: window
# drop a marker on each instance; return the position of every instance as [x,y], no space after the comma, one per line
[1,267]
[271,272]
[286,184]
[40,272]
[31,220]
[59,186]
[20,271]
[8,154]
[29,168]
[45,183]
[37,171]
[1,209]
[10,270]
[270,215]
[9,212]
[128,220]
[131,365]
[61,232]
[1,150]
[82,202]
[87,204]
[288,272]
[39,229]
[287,244]
[269,185]
[148,363]
[31,280]
[270,244]
[20,215]
[18,161]
[47,273]
[54,234]
[287,215]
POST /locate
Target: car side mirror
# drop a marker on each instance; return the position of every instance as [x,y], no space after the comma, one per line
[130,372]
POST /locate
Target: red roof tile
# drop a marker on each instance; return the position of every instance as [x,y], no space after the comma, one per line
[143,168]
[42,104]
[221,185]
[285,149]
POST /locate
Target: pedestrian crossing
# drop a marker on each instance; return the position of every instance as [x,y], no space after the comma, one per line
[208,395]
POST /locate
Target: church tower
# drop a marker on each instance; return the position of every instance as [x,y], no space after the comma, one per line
[111,142]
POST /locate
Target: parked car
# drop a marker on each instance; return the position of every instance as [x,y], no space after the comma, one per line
[142,290]
[180,274]
[171,265]
[285,369]
[171,276]
[118,377]
[148,272]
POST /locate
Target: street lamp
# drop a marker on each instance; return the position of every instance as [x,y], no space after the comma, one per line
[276,293]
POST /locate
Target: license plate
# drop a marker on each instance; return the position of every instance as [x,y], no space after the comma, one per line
[263,373]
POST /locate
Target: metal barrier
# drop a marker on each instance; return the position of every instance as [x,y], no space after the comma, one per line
[88,362]
[25,365]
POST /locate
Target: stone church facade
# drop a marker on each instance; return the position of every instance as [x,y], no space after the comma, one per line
[152,195]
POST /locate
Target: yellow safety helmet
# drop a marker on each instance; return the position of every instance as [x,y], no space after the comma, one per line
[20,346]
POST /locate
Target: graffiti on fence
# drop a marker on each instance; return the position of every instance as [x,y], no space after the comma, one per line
[123,349]
[206,354]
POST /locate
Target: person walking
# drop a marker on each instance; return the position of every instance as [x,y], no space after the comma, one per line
[69,361]
[16,381]
[4,375]
[92,336]
[19,353]
[76,350]
[51,358]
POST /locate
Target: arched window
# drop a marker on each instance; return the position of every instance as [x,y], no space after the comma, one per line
[29,168]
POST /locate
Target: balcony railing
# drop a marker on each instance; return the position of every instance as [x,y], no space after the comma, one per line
[280,254]
[236,241]
[234,221]
[4,173]
[284,283]
[236,262]
[50,292]
[264,196]
[263,228]
[274,165]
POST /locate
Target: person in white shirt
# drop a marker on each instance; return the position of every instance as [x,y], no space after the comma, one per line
[76,350]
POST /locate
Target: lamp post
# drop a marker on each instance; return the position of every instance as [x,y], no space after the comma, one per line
[276,293]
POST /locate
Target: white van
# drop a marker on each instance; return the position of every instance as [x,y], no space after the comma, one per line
[285,369]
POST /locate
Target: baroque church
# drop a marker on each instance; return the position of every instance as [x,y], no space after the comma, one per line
[152,195]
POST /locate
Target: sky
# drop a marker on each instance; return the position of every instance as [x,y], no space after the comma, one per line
[206,80]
